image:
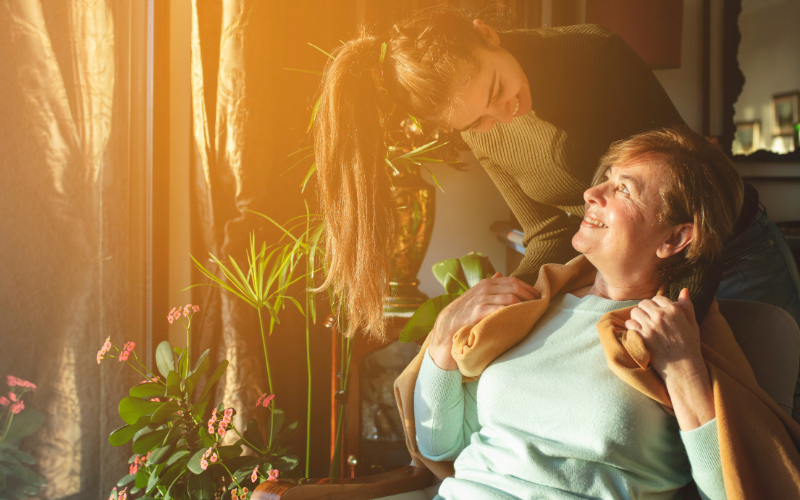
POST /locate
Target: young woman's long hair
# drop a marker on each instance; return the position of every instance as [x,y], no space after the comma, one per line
[427,58]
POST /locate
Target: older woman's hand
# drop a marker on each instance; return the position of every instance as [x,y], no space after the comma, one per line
[671,334]
[470,308]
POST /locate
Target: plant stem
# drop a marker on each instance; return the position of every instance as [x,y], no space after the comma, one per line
[308,364]
[188,348]
[335,472]
[269,378]
[9,418]
[231,474]
[248,442]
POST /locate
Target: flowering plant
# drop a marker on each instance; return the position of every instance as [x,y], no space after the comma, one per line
[17,480]
[178,450]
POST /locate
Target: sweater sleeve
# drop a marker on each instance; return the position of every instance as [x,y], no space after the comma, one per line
[702,447]
[445,411]
[547,230]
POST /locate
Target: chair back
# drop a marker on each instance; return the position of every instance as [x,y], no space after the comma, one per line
[770,339]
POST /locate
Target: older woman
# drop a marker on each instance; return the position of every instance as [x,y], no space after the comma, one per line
[547,418]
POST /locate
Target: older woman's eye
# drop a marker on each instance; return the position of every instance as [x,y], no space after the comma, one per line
[623,188]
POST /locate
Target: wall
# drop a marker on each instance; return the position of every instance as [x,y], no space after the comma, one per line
[769,57]
[469,204]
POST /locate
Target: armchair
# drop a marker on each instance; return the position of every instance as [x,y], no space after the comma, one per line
[774,357]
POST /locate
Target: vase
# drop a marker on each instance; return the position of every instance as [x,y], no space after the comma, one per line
[416,202]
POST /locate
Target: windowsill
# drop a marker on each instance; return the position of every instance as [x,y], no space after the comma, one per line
[769,171]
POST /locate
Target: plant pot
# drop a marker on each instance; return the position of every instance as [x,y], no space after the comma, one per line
[416,202]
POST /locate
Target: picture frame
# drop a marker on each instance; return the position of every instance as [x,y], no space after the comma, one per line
[785,113]
[747,137]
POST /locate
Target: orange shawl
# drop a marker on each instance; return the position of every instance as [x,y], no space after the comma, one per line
[758,441]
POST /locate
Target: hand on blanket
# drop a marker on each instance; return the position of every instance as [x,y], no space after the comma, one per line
[672,336]
[470,308]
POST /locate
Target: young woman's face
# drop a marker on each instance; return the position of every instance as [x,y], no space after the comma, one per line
[498,92]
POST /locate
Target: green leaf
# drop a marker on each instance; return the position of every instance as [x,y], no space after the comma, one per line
[198,367]
[173,384]
[20,455]
[198,372]
[132,409]
[253,435]
[22,427]
[125,481]
[201,487]
[285,464]
[214,377]
[450,275]
[148,390]
[164,411]
[164,359]
[307,178]
[286,433]
[228,452]
[319,49]
[421,323]
[194,463]
[279,417]
[9,459]
[149,441]
[26,475]
[160,455]
[171,476]
[155,477]
[141,480]
[313,114]
[176,456]
[125,433]
[476,267]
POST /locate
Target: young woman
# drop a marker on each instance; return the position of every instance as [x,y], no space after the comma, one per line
[538,108]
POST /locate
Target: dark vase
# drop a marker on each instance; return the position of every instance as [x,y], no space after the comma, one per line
[416,202]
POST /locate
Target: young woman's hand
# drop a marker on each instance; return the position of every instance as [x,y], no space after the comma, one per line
[672,336]
[470,308]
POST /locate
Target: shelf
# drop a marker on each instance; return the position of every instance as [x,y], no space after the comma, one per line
[769,171]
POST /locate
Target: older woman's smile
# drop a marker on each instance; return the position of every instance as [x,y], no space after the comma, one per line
[592,222]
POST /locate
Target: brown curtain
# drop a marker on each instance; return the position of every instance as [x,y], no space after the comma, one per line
[248,115]
[64,244]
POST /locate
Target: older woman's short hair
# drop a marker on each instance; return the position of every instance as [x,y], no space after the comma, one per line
[703,186]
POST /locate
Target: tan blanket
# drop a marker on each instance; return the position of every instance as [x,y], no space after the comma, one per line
[758,441]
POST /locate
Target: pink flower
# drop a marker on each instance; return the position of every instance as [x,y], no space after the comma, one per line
[254,475]
[223,424]
[244,491]
[204,463]
[133,469]
[12,381]
[130,346]
[234,495]
[99,356]
[214,458]
[210,429]
[111,496]
[264,399]
[213,419]
[12,396]
[170,319]
[3,401]
[229,413]
[123,356]
[176,314]
[123,495]
[195,308]
[186,311]
[273,475]
[221,431]
[18,407]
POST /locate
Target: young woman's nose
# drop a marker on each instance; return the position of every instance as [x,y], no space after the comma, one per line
[595,195]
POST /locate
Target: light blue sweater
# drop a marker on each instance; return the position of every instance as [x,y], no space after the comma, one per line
[548,419]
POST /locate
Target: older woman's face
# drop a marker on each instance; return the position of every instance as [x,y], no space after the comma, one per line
[621,225]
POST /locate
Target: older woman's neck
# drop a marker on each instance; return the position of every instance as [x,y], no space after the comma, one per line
[628,288]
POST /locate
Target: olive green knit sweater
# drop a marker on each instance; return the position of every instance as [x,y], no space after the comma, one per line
[589,89]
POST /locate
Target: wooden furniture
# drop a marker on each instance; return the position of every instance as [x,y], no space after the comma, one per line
[403,480]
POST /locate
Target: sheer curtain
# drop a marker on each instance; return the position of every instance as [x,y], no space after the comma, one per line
[66,245]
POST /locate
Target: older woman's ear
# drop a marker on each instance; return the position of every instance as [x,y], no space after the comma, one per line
[676,240]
